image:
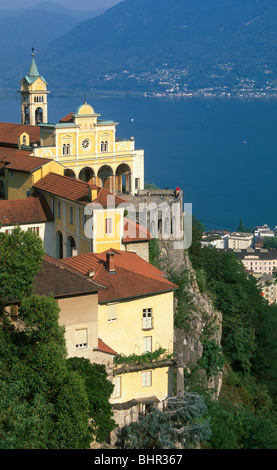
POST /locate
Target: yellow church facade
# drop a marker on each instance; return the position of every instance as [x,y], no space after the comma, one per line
[84,144]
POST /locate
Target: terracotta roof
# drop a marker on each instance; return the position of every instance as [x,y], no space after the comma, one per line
[74,190]
[9,155]
[25,211]
[102,197]
[65,187]
[68,118]
[57,280]
[28,163]
[133,277]
[9,133]
[103,347]
[133,232]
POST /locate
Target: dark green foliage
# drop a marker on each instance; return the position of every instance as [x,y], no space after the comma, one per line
[158,354]
[154,252]
[270,242]
[20,255]
[44,403]
[195,250]
[245,415]
[212,359]
[185,308]
[183,422]
[242,228]
[100,410]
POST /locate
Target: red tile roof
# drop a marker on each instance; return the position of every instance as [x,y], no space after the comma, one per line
[103,347]
[133,277]
[9,133]
[133,232]
[28,163]
[24,211]
[68,118]
[8,155]
[74,190]
[58,280]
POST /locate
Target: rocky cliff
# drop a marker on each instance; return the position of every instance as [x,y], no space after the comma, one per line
[188,344]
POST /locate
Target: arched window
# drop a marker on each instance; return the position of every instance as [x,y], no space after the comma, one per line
[39,115]
[68,149]
[71,246]
[104,146]
[64,149]
[59,245]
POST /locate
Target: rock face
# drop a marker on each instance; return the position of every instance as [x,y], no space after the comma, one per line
[188,345]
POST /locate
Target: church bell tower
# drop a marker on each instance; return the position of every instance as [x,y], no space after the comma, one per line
[33,96]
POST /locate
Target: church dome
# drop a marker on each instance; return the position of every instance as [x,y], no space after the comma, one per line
[84,110]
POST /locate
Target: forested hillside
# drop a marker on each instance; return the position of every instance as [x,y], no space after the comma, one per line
[146,45]
[245,416]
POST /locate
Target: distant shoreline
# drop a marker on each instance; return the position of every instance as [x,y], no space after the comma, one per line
[6,95]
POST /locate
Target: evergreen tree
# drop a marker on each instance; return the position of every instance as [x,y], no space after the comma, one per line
[183,423]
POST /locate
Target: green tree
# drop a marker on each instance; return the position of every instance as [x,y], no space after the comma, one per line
[100,409]
[183,423]
[44,402]
[242,228]
[154,252]
[43,405]
[21,254]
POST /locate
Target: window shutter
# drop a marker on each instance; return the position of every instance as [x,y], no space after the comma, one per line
[117,387]
[112,312]
[81,338]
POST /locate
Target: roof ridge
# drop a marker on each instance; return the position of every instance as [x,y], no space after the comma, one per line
[64,263]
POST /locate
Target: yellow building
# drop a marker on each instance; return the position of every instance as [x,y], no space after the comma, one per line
[83,143]
[135,317]
[86,218]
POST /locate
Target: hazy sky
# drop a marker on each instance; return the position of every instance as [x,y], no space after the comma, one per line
[82,4]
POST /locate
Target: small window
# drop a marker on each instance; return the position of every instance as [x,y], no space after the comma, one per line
[108,226]
[11,173]
[147,319]
[59,210]
[71,215]
[117,387]
[81,338]
[147,378]
[112,312]
[147,344]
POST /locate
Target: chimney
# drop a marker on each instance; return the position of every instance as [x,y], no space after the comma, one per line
[110,262]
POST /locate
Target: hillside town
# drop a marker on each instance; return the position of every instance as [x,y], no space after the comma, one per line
[67,183]
[255,249]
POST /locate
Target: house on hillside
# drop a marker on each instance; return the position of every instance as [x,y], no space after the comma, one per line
[19,171]
[32,214]
[77,298]
[135,317]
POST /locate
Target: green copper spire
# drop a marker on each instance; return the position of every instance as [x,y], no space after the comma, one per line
[33,72]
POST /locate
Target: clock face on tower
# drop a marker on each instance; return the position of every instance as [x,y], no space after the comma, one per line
[86,144]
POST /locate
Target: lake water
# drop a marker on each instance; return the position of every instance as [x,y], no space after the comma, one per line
[222,153]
